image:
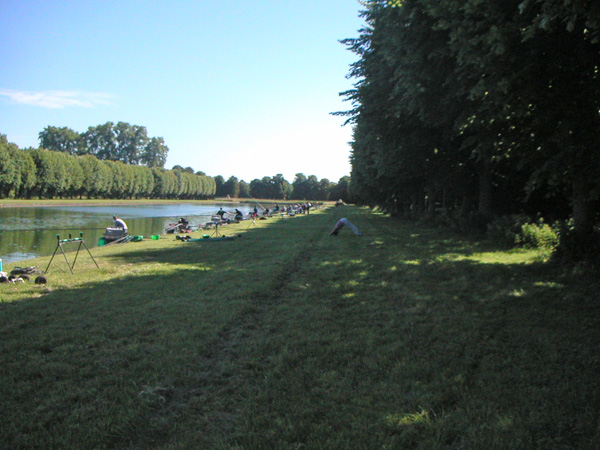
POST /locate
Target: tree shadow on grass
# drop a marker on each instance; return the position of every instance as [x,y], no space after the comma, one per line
[123,367]
[509,346]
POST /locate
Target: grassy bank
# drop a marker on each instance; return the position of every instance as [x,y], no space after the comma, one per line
[406,337]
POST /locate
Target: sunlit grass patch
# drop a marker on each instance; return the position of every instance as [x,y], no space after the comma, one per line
[517,256]
[411,262]
[332,263]
[518,293]
[549,284]
[403,420]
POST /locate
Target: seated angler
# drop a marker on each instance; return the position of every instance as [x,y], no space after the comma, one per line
[120,223]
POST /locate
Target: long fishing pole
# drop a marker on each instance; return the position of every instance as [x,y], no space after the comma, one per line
[54,229]
[257,202]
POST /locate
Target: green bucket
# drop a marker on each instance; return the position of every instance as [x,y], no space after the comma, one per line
[155,237]
[101,241]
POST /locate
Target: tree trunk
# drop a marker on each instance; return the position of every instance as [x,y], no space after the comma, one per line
[583,208]
[485,188]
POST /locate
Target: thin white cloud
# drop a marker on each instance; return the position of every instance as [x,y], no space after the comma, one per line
[58,99]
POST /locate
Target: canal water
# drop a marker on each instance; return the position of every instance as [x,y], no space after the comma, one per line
[31,232]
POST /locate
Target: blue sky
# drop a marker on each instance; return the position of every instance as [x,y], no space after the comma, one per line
[239,88]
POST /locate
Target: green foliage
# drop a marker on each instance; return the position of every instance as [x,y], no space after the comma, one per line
[123,142]
[28,177]
[102,172]
[310,188]
[48,174]
[341,190]
[505,230]
[244,189]
[220,182]
[518,230]
[538,235]
[461,102]
[232,187]
[154,153]
[61,139]
[97,182]
[9,174]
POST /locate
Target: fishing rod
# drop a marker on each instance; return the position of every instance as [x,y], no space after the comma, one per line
[55,229]
[257,202]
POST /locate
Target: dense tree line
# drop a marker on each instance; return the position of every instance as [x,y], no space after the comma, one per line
[41,173]
[478,106]
[123,142]
[278,188]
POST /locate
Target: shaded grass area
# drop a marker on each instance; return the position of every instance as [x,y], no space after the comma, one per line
[407,337]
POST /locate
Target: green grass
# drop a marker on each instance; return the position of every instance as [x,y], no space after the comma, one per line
[288,338]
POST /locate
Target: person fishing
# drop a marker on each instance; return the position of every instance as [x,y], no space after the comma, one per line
[221,212]
[183,225]
[120,223]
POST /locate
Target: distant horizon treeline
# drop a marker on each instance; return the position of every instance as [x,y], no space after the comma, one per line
[278,188]
[43,173]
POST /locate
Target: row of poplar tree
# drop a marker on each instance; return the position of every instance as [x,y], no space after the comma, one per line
[485,106]
[42,173]
[131,145]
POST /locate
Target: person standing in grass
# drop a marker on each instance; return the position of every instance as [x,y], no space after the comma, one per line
[340,224]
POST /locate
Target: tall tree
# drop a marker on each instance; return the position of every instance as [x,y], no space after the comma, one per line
[340,190]
[244,189]
[231,187]
[220,182]
[97,180]
[300,189]
[154,153]
[131,142]
[281,188]
[26,166]
[100,141]
[8,169]
[61,139]
[453,95]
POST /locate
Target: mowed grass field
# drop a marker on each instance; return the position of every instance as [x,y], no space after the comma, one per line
[287,338]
